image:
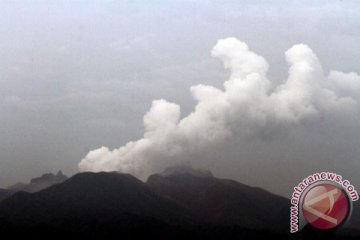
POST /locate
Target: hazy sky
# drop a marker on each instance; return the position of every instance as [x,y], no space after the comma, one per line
[78,75]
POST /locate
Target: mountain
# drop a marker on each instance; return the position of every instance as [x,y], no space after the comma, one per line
[182,169]
[88,202]
[4,193]
[222,201]
[181,204]
[39,183]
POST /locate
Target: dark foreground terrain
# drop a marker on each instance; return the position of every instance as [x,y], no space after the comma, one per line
[172,205]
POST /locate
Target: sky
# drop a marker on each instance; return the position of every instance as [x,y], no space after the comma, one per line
[78,79]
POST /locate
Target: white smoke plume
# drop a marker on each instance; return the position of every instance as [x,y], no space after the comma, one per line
[248,114]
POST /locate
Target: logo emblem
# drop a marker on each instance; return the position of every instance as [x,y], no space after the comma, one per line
[326,206]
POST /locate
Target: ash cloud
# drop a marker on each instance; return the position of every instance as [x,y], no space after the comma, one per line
[250,122]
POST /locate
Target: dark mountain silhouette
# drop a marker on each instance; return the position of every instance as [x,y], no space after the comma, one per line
[92,202]
[223,202]
[39,183]
[4,193]
[176,205]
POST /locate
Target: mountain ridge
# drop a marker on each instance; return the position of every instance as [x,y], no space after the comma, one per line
[231,202]
[183,204]
[39,183]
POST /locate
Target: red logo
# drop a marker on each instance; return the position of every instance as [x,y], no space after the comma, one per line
[325,206]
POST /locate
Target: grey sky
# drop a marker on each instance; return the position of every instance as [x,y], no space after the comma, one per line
[77,75]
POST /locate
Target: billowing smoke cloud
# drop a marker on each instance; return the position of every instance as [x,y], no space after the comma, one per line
[248,117]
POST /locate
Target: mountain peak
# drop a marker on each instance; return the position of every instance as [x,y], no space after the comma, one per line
[185,169]
[44,177]
[60,174]
[36,184]
[50,178]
